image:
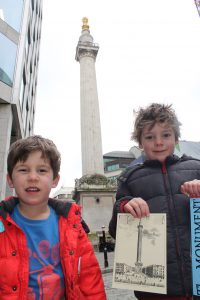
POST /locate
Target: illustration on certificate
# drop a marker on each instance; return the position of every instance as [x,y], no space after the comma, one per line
[140,253]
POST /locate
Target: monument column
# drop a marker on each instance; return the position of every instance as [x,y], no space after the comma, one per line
[91,143]
[93,191]
[138,264]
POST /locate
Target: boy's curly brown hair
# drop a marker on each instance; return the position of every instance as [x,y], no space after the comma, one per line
[152,114]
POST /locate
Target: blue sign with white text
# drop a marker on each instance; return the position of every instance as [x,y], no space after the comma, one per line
[195,241]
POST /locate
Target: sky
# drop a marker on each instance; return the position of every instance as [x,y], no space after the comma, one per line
[149,52]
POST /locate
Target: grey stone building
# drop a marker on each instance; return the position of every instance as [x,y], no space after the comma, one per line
[20,33]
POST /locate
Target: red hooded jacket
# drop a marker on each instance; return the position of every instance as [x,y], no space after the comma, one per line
[82,274]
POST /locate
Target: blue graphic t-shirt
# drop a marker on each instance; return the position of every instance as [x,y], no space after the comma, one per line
[46,280]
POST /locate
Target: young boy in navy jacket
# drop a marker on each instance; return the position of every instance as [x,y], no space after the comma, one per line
[162,183]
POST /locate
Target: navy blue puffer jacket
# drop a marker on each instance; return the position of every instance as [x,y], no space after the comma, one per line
[159,185]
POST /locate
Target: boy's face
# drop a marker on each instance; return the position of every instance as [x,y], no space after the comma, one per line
[158,142]
[33,180]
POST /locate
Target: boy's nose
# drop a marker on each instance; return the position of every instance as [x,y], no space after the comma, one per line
[158,141]
[33,175]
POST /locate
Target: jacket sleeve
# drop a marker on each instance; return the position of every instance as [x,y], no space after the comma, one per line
[90,277]
[82,273]
[123,194]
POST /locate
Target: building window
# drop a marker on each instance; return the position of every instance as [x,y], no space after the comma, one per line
[28,42]
[7,60]
[11,15]
[124,165]
[22,90]
[113,167]
[26,116]
[33,4]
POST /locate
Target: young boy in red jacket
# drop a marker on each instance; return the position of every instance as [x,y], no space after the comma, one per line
[44,250]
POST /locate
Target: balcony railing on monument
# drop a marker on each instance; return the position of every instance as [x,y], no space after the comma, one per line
[88,44]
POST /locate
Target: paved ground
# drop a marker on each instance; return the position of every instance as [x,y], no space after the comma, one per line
[112,293]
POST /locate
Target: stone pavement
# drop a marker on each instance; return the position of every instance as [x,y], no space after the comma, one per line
[112,293]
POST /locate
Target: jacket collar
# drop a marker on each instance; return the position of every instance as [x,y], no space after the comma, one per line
[143,162]
[62,208]
[170,160]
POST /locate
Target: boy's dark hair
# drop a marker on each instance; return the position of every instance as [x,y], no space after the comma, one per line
[20,150]
[152,114]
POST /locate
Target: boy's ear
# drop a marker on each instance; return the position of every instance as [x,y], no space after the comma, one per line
[9,180]
[55,181]
[140,146]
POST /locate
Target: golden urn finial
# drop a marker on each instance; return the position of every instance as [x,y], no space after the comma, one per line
[85,24]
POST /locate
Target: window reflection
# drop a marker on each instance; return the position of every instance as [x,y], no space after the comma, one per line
[11,12]
[7,60]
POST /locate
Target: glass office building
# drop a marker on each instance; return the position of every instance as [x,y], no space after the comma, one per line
[20,33]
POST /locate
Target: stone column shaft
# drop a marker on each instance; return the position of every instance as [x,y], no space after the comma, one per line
[91,142]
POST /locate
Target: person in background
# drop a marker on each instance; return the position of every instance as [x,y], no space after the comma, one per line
[45,252]
[161,183]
